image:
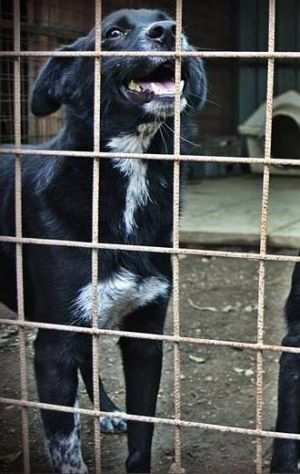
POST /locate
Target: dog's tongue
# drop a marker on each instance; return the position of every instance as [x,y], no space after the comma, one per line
[159,88]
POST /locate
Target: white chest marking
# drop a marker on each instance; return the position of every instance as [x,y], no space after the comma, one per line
[135,170]
[118,296]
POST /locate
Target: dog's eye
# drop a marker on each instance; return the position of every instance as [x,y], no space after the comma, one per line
[114,33]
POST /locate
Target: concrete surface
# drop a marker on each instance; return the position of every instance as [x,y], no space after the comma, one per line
[227,211]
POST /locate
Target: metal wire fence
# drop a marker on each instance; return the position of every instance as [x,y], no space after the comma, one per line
[44,25]
[175,251]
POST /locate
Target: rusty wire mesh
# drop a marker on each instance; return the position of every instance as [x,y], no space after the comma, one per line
[175,251]
[40,30]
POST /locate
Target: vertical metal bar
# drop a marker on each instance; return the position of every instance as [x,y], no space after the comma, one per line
[176,209]
[263,238]
[95,233]
[19,248]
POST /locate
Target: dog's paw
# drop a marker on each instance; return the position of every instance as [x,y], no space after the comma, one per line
[113,425]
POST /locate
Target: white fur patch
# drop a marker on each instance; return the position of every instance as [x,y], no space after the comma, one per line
[113,424]
[137,142]
[119,296]
[65,454]
[135,170]
[137,194]
[65,451]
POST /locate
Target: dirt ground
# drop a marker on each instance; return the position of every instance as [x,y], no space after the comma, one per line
[219,301]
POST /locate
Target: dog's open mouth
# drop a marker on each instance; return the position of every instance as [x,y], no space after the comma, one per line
[158,84]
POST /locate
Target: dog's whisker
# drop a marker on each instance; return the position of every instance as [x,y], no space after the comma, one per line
[163,139]
[207,100]
[183,138]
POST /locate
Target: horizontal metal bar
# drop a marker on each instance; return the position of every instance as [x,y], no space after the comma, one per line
[149,419]
[252,346]
[174,54]
[149,156]
[144,248]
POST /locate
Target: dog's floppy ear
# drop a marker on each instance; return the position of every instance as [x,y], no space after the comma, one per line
[53,86]
[197,83]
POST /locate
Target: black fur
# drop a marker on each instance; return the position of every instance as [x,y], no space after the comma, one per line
[286,453]
[57,202]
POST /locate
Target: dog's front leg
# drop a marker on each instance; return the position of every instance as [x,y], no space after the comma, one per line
[57,382]
[142,366]
[84,354]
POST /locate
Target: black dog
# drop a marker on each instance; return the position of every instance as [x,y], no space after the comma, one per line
[137,109]
[286,453]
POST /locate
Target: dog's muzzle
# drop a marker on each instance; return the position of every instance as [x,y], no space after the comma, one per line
[157,85]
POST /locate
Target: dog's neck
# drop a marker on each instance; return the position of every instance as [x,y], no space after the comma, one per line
[137,141]
[116,136]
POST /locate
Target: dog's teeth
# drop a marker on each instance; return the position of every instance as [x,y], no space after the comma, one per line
[134,86]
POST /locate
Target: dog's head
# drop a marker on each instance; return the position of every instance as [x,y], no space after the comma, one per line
[139,86]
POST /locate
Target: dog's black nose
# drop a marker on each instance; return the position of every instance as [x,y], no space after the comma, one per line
[163,32]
